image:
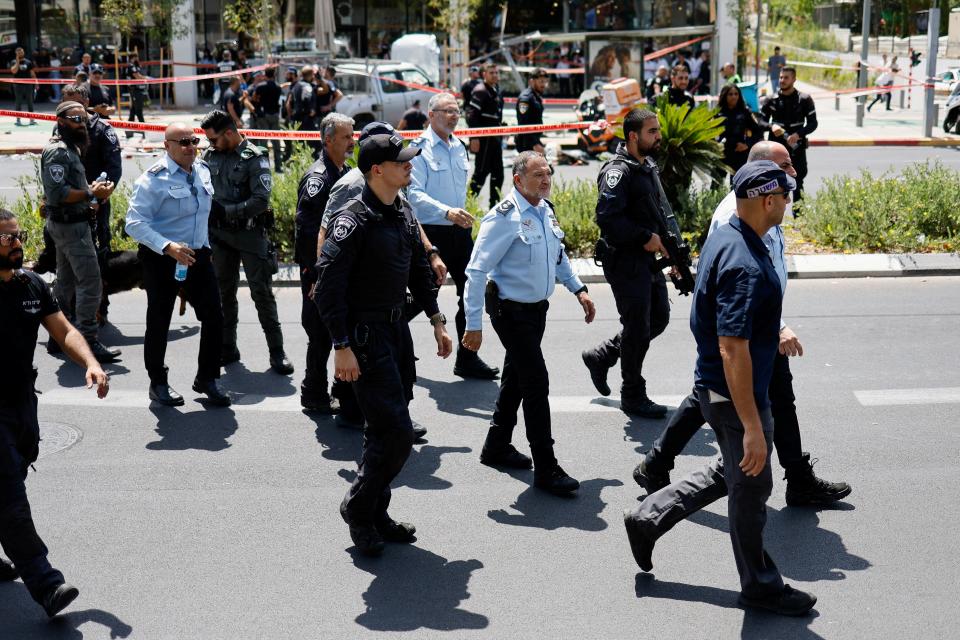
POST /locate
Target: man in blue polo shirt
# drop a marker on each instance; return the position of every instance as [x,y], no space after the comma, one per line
[735,318]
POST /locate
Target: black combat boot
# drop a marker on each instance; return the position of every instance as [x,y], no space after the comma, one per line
[804,488]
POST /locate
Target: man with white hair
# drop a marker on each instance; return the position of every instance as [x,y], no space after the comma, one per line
[438,194]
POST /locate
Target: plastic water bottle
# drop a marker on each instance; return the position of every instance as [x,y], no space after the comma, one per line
[101,178]
[180,273]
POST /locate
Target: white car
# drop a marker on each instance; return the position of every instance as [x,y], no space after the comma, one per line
[947,80]
[368,95]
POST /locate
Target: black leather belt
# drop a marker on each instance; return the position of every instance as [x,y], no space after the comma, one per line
[68,217]
[524,306]
[387,315]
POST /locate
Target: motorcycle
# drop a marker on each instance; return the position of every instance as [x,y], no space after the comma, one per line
[951,121]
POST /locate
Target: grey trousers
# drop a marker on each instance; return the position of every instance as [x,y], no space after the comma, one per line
[78,274]
[226,263]
[746,504]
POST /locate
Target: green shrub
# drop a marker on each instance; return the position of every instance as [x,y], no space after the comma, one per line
[696,211]
[283,199]
[916,209]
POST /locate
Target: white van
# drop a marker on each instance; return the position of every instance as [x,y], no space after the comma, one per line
[366,99]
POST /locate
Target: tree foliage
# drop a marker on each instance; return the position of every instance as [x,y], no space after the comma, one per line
[250,19]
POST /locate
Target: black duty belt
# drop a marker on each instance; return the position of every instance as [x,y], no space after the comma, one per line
[524,306]
[387,315]
[67,217]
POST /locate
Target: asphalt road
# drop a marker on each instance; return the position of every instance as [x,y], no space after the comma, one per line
[223,523]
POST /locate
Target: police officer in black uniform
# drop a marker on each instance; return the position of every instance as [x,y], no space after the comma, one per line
[25,304]
[302,105]
[138,92]
[679,81]
[312,196]
[630,228]
[371,255]
[530,110]
[484,110]
[467,87]
[791,116]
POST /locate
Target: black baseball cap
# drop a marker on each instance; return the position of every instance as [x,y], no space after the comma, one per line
[759,178]
[539,72]
[380,148]
[376,128]
[96,68]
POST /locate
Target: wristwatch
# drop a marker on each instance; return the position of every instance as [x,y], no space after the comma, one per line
[438,319]
[431,251]
[341,344]
[582,289]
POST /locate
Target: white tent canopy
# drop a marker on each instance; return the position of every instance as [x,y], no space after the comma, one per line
[422,50]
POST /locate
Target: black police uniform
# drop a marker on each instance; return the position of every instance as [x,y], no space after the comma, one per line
[138,95]
[627,214]
[467,88]
[739,126]
[312,196]
[372,254]
[796,113]
[24,302]
[99,95]
[679,97]
[529,111]
[303,110]
[486,110]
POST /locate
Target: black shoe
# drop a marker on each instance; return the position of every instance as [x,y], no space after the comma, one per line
[392,531]
[102,353]
[504,456]
[165,395]
[53,347]
[649,478]
[59,598]
[789,602]
[320,404]
[349,422]
[643,407]
[279,363]
[8,572]
[555,481]
[419,431]
[474,367]
[367,540]
[598,372]
[804,488]
[215,395]
[229,357]
[641,545]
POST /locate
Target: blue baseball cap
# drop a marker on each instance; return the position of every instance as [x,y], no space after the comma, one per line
[759,178]
[96,68]
[376,129]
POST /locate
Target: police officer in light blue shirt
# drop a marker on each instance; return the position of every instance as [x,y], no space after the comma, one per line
[518,257]
[438,194]
[168,216]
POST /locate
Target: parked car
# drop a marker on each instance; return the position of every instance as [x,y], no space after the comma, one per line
[369,94]
[946,81]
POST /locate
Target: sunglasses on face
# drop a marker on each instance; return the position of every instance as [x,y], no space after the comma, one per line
[186,142]
[7,239]
[77,119]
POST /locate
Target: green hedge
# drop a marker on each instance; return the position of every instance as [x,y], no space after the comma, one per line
[915,209]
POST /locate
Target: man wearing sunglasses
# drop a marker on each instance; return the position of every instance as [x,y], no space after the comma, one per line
[25,304]
[168,216]
[735,318]
[240,220]
[69,211]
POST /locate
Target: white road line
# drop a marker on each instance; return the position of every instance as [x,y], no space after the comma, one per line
[137,398]
[891,397]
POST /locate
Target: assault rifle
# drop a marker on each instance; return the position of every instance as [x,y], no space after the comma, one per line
[679,258]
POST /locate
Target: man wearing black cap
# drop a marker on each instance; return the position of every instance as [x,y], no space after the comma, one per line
[138,92]
[484,110]
[372,254]
[100,100]
[467,87]
[530,110]
[735,318]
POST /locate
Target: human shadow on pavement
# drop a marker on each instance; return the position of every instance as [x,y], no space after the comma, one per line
[419,470]
[111,336]
[545,511]
[415,589]
[473,398]
[645,431]
[253,386]
[206,430]
[756,624]
[23,618]
[70,375]
[338,443]
[801,548]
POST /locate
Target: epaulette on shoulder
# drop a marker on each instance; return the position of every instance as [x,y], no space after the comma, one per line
[416,142]
[550,204]
[250,151]
[505,207]
[157,168]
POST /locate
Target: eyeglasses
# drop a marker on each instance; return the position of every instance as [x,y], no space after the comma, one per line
[186,142]
[449,112]
[78,118]
[7,239]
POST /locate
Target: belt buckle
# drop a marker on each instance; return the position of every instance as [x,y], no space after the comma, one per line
[395,314]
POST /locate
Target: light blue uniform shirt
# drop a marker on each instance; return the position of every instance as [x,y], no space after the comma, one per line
[773,239]
[520,247]
[165,207]
[438,182]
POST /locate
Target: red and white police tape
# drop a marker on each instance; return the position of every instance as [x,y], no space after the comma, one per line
[127,82]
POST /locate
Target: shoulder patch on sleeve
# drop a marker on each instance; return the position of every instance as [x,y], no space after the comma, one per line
[523,107]
[111,135]
[505,207]
[56,172]
[266,180]
[330,249]
[343,226]
[612,177]
[314,185]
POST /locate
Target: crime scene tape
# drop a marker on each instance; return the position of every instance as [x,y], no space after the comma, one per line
[109,66]
[289,134]
[111,83]
[659,53]
[571,70]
